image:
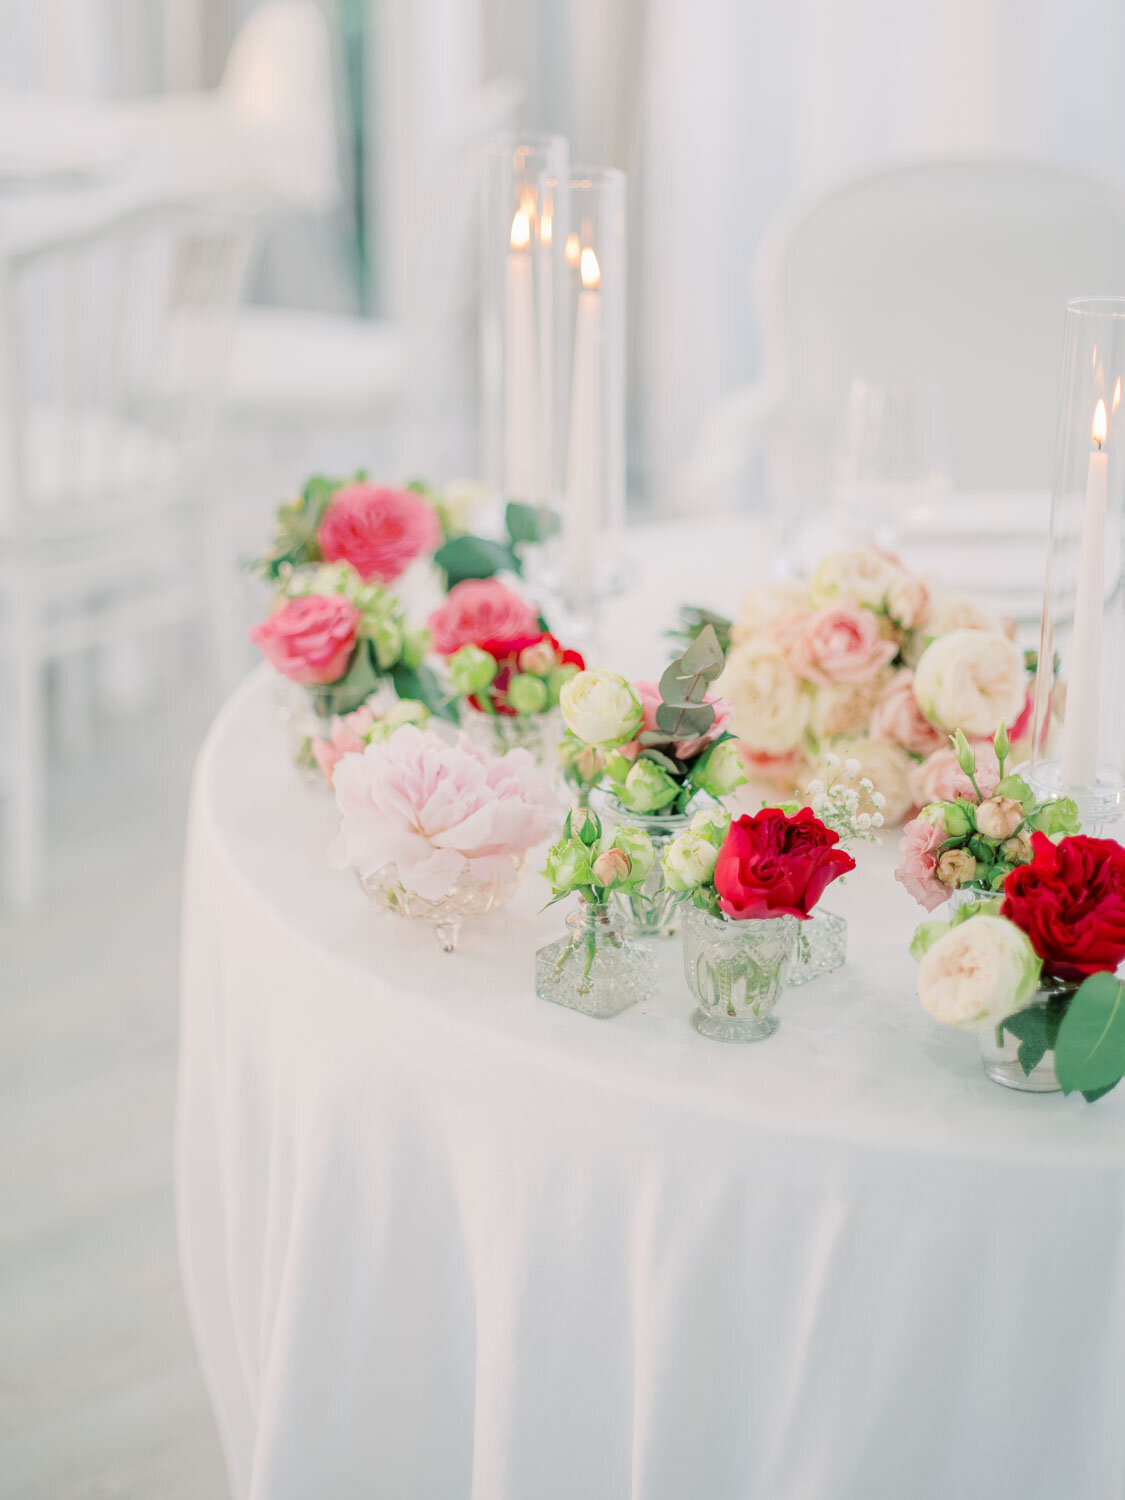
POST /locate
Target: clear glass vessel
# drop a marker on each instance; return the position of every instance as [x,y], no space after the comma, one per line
[735,971]
[596,968]
[307,714]
[999,1052]
[821,947]
[652,911]
[498,733]
[467,898]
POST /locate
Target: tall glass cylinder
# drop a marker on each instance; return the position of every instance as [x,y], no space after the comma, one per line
[588,470]
[1078,735]
[517,316]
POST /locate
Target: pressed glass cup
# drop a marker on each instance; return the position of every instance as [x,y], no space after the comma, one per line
[821,947]
[736,971]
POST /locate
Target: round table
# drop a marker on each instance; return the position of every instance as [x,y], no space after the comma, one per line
[443,1240]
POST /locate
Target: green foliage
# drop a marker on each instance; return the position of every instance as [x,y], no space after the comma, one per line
[693,619]
[475,557]
[530,525]
[1036,1028]
[421,684]
[682,713]
[294,542]
[357,684]
[1090,1052]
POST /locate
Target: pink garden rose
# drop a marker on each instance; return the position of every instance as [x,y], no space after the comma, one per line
[379,531]
[346,737]
[310,639]
[840,643]
[438,812]
[482,612]
[690,749]
[940,779]
[917,867]
[897,719]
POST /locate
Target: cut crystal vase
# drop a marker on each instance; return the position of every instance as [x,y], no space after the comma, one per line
[652,910]
[821,947]
[466,898]
[596,968]
[736,971]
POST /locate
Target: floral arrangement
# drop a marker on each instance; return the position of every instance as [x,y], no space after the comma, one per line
[378,530]
[654,745]
[767,864]
[1039,960]
[350,734]
[976,837]
[498,655]
[442,814]
[864,659]
[594,861]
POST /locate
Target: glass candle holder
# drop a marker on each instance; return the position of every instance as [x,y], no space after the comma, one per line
[517,314]
[587,211]
[1078,733]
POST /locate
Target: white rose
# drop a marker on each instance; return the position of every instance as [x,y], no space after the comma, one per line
[600,708]
[846,707]
[886,766]
[771,706]
[972,680]
[952,611]
[977,973]
[908,601]
[689,861]
[764,604]
[858,573]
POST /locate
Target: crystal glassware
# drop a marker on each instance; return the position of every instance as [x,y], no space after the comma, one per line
[496,734]
[596,968]
[1082,634]
[735,971]
[999,1050]
[307,713]
[652,910]
[466,898]
[821,947]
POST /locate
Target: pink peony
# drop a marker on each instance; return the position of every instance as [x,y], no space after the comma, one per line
[380,532]
[346,738]
[840,643]
[310,639]
[690,749]
[483,612]
[917,868]
[438,812]
[940,779]
[897,719]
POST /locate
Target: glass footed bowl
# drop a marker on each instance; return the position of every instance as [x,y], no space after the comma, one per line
[466,898]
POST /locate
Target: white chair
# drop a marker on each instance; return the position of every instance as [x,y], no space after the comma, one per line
[106,417]
[950,272]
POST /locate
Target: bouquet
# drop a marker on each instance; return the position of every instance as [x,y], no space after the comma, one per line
[1038,961]
[595,861]
[975,838]
[864,659]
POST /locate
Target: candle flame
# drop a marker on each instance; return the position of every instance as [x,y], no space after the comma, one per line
[592,272]
[545,227]
[573,249]
[1117,394]
[521,231]
[1100,424]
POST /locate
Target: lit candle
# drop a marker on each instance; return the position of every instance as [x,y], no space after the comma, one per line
[521,377]
[584,451]
[1079,759]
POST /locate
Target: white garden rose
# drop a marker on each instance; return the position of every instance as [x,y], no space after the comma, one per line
[886,766]
[846,707]
[689,861]
[765,603]
[950,611]
[858,573]
[771,706]
[600,708]
[977,973]
[972,680]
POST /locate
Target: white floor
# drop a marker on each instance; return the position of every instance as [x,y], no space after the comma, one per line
[100,1391]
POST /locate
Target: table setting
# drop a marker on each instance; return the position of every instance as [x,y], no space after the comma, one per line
[651,1013]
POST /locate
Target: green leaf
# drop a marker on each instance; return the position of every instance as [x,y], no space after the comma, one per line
[1091,1094]
[665,762]
[421,684]
[530,524]
[475,557]
[1035,1028]
[358,682]
[684,686]
[1090,1054]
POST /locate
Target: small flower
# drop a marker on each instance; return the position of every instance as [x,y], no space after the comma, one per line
[977,973]
[471,670]
[638,846]
[721,771]
[689,861]
[539,659]
[568,866]
[999,817]
[1018,850]
[527,694]
[852,767]
[600,708]
[612,867]
[647,788]
[956,867]
[712,823]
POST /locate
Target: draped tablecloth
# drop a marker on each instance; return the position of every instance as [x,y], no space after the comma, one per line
[443,1240]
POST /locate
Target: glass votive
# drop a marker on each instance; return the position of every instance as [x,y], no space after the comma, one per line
[1078,723]
[517,315]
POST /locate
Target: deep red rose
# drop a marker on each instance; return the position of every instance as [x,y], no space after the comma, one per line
[1070,900]
[507,654]
[771,865]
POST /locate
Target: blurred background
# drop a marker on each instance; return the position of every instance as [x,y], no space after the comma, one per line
[238,245]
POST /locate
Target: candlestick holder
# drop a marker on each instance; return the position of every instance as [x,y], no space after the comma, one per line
[588,466]
[517,316]
[1078,720]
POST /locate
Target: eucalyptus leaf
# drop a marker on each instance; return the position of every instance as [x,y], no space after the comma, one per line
[682,712]
[1091,1094]
[475,557]
[665,762]
[1090,1054]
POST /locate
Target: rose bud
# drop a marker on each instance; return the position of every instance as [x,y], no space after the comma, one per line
[648,788]
[585,825]
[568,866]
[956,867]
[1018,850]
[612,867]
[386,635]
[539,659]
[721,771]
[638,846]
[471,669]
[689,861]
[999,817]
[957,817]
[712,823]
[589,762]
[559,678]
[527,694]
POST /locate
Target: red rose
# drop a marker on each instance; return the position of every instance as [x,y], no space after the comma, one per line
[771,865]
[310,639]
[1070,900]
[380,532]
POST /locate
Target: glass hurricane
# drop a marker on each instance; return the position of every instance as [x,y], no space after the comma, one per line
[821,947]
[596,968]
[652,910]
[467,897]
[735,971]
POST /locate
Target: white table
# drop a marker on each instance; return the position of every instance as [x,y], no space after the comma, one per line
[444,1240]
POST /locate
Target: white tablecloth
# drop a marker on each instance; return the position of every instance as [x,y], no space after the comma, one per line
[444,1240]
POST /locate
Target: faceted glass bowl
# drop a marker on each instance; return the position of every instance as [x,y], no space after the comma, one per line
[822,946]
[466,898]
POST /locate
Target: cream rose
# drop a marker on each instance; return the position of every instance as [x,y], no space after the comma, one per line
[898,720]
[977,973]
[908,602]
[846,707]
[762,605]
[600,708]
[771,707]
[857,573]
[886,765]
[972,680]
[952,611]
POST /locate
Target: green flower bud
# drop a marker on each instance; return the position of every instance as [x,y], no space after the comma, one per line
[966,756]
[638,846]
[689,861]
[713,823]
[582,823]
[471,670]
[568,866]
[1058,817]
[527,694]
[406,711]
[1001,743]
[386,636]
[558,679]
[957,817]
[721,770]
[415,644]
[648,788]
[612,868]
